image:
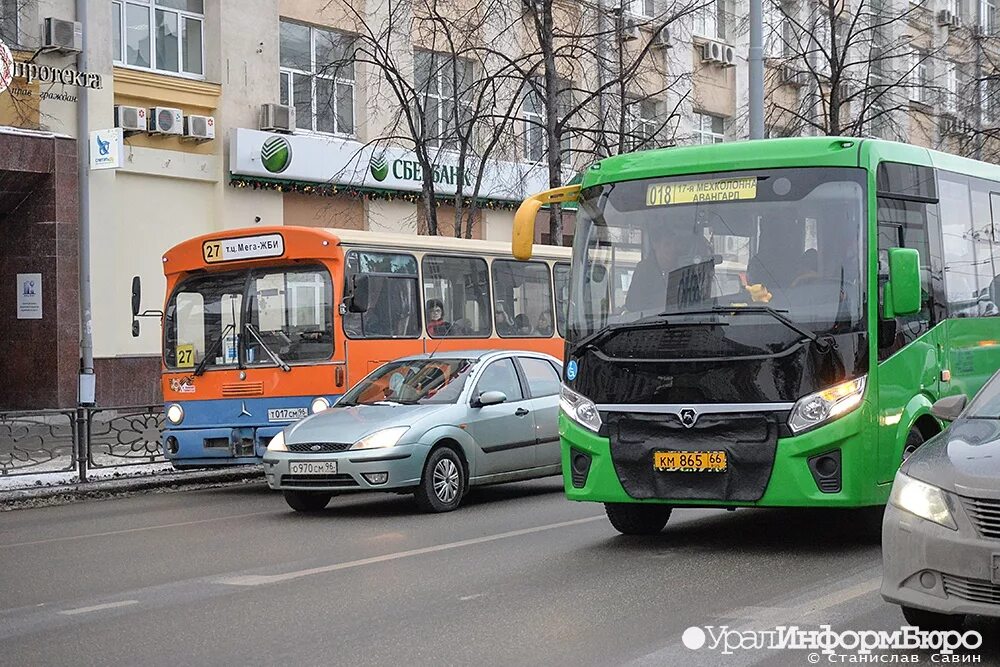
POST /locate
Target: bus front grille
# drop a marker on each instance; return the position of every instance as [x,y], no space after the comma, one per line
[243,389]
[985,515]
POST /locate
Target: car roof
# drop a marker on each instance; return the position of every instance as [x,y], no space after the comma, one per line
[477,355]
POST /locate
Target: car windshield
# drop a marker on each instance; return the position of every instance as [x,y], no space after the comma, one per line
[791,240]
[986,405]
[418,381]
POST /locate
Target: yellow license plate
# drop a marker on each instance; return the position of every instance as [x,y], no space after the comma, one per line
[690,461]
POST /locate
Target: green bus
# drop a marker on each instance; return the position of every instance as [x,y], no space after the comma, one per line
[767,323]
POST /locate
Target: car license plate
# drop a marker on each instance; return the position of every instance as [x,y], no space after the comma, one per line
[287,414]
[690,461]
[312,467]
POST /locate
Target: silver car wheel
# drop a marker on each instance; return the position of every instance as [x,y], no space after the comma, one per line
[445,480]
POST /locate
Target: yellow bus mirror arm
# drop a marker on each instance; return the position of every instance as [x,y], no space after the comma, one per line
[524,220]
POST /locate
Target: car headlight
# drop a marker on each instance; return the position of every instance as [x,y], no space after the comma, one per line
[277,443]
[387,437]
[175,414]
[826,405]
[319,404]
[580,409]
[922,499]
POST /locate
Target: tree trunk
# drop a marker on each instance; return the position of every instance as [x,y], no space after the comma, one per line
[553,132]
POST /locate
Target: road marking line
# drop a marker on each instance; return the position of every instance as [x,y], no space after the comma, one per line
[262,579]
[131,530]
[98,607]
[466,598]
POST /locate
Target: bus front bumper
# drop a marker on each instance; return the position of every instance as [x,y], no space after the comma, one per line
[202,447]
[791,484]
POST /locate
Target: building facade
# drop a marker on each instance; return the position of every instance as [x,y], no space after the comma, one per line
[204,92]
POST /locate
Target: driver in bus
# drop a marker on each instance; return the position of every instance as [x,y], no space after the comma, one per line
[671,249]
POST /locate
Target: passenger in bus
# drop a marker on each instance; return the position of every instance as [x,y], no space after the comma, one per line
[436,325]
[544,325]
[670,250]
[504,327]
[522,325]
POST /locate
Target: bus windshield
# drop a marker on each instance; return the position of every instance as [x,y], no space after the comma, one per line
[780,242]
[263,317]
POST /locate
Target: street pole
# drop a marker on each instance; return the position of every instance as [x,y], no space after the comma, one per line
[87,384]
[756,73]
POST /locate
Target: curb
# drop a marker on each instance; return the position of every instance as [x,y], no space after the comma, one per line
[124,485]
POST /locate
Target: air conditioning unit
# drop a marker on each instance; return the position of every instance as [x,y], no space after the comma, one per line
[131,119]
[949,18]
[728,56]
[794,77]
[62,36]
[662,39]
[199,127]
[166,120]
[712,52]
[630,29]
[277,118]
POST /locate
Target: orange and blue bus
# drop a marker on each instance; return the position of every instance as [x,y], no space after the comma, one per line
[266,325]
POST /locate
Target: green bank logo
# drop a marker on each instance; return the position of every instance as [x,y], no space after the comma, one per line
[276,154]
[379,167]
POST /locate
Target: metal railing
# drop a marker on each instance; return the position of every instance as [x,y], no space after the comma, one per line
[42,442]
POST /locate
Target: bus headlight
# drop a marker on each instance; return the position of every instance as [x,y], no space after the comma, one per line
[387,437]
[926,501]
[175,414]
[826,405]
[580,409]
[319,404]
[277,443]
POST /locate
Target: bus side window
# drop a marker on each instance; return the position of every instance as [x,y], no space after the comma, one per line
[523,293]
[393,310]
[907,218]
[560,277]
[460,286]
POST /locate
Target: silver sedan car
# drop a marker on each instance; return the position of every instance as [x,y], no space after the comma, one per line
[433,425]
[941,532]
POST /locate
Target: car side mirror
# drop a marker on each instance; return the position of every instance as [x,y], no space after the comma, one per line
[490,398]
[357,301]
[949,408]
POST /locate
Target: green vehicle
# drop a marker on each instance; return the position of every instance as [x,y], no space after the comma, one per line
[767,323]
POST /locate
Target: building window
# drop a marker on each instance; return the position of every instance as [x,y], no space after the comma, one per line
[162,35]
[988,16]
[644,8]
[781,36]
[709,129]
[8,22]
[317,78]
[950,103]
[641,120]
[991,100]
[533,115]
[710,19]
[919,76]
[445,90]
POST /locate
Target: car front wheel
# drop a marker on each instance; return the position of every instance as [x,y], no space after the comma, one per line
[307,501]
[443,482]
[932,620]
[632,519]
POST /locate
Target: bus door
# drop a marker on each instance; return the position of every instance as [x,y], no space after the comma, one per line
[390,326]
[910,348]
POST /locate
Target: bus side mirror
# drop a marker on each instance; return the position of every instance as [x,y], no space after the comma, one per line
[357,301]
[523,236]
[949,408]
[902,291]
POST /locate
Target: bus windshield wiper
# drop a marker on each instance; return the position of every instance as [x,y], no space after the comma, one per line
[778,315]
[649,321]
[271,353]
[216,346]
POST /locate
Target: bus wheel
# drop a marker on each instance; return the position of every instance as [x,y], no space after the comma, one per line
[913,440]
[307,501]
[443,482]
[634,519]
[932,620]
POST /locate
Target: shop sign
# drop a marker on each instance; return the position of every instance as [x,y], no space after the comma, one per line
[106,148]
[315,159]
[32,72]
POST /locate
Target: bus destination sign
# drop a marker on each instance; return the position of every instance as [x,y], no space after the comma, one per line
[243,248]
[690,192]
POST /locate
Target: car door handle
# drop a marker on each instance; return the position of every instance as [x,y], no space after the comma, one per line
[520,412]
